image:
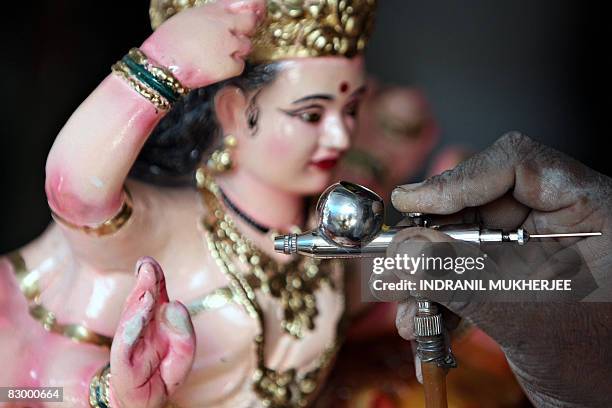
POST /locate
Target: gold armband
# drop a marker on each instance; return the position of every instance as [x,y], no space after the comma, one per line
[99,388]
[107,227]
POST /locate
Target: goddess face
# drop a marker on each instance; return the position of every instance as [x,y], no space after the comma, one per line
[305,121]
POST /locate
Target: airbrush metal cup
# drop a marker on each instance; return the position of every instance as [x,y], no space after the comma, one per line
[350,215]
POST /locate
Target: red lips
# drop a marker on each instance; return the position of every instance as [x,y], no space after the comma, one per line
[325,164]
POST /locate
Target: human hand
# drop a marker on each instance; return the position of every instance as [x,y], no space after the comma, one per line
[206,44]
[520,183]
[154,345]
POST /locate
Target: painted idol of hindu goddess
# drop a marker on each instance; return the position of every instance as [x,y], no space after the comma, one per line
[157,284]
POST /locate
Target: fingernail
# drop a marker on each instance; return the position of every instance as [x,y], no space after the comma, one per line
[146,298]
[410,187]
[145,266]
[418,369]
[142,262]
[138,266]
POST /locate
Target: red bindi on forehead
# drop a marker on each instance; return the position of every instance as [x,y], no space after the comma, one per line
[344,86]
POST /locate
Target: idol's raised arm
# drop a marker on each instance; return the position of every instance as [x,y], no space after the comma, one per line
[95,150]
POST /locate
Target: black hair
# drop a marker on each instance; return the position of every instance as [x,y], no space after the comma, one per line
[190,130]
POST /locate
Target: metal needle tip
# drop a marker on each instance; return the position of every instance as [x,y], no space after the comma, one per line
[571,234]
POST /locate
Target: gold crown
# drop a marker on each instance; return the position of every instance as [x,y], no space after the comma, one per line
[297,28]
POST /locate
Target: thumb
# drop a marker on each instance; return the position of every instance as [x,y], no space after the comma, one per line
[513,163]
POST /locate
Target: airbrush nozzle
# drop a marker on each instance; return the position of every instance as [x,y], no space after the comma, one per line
[521,236]
[568,235]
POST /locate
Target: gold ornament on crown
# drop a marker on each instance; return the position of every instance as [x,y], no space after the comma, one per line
[297,28]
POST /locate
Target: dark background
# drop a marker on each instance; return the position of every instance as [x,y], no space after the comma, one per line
[541,67]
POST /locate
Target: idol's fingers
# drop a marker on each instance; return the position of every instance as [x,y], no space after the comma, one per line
[139,345]
[176,326]
[206,44]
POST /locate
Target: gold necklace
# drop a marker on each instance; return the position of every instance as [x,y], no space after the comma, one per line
[294,284]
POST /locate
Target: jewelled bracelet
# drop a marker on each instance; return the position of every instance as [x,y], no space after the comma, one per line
[157,84]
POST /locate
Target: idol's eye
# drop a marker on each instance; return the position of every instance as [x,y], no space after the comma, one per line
[308,114]
[310,117]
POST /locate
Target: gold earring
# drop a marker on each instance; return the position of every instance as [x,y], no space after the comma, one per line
[221,160]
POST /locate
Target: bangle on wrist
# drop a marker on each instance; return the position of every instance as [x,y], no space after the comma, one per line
[99,388]
[156,84]
[172,89]
[107,227]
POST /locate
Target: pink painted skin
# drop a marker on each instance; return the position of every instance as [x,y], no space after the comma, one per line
[146,369]
[152,353]
[86,280]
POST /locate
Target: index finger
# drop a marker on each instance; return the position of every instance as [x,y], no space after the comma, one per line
[538,176]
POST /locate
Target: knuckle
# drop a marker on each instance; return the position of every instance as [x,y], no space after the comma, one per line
[235,41]
[515,145]
[438,182]
[252,20]
[445,185]
[514,139]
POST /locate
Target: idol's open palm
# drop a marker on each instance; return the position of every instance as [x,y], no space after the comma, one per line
[154,345]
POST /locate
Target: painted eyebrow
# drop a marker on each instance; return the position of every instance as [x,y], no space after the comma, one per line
[326,97]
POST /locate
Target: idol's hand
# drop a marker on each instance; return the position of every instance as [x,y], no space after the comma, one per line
[206,44]
[559,351]
[154,345]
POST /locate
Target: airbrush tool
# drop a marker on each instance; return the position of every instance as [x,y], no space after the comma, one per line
[351,225]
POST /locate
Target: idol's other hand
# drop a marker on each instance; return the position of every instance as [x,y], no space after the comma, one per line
[558,351]
[154,344]
[206,44]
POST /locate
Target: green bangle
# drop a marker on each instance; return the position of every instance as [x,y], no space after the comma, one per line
[155,83]
[120,69]
[99,388]
[144,76]
[164,75]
